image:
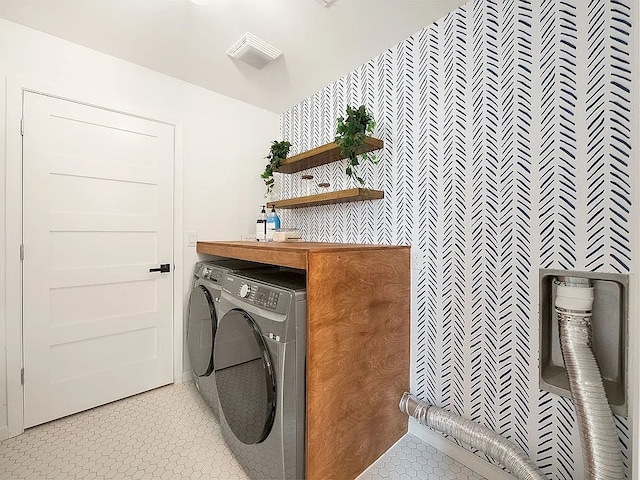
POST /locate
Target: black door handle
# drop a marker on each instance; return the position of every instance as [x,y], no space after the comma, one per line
[164,268]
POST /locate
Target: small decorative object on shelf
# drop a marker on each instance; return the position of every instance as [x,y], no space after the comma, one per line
[350,136]
[307,182]
[277,153]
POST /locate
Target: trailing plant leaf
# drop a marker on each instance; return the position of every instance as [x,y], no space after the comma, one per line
[277,153]
[350,134]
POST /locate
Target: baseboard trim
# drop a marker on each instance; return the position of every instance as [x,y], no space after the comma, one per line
[458,453]
[186,377]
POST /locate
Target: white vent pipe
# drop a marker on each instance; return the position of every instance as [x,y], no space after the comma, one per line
[600,446]
[475,435]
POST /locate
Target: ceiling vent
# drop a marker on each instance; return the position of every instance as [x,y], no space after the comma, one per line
[326,3]
[250,49]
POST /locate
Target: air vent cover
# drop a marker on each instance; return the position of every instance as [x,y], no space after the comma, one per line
[325,3]
[253,51]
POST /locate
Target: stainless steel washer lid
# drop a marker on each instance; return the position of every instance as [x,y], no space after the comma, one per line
[290,278]
[235,264]
[214,270]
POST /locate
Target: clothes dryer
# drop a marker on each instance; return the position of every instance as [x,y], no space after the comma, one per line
[202,320]
[259,367]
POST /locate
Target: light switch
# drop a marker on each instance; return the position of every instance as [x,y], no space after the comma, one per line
[192,239]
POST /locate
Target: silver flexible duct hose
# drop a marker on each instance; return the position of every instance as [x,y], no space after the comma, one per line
[475,435]
[600,447]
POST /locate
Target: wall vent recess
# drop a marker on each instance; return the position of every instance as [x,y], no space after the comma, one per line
[253,51]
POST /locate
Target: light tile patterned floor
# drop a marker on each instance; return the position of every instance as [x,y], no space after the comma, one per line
[411,458]
[165,434]
[170,434]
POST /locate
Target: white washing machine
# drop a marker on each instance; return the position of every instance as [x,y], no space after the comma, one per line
[259,367]
[202,321]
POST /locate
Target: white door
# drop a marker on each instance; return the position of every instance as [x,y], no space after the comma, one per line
[98,215]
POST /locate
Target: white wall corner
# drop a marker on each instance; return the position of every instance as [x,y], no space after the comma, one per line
[13,266]
[186,377]
[178,252]
[3,318]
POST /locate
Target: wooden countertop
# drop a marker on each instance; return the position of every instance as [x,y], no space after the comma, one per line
[285,254]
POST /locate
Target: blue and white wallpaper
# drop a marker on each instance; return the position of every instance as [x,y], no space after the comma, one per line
[507,131]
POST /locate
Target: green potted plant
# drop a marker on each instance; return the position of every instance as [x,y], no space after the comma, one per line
[350,138]
[277,153]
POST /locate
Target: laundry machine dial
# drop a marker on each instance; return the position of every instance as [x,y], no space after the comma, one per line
[245,290]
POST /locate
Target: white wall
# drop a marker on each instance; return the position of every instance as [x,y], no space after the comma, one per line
[3,376]
[224,140]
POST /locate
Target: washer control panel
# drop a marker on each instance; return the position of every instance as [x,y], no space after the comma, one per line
[212,274]
[267,298]
[258,295]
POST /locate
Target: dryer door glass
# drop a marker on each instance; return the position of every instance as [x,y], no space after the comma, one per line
[244,377]
[201,329]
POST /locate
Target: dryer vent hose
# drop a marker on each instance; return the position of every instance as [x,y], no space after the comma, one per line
[600,446]
[473,434]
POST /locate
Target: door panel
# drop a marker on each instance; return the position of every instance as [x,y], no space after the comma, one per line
[98,208]
[75,194]
[72,305]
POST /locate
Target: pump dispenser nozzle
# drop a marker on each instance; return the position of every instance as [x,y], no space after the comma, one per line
[273,223]
[261,225]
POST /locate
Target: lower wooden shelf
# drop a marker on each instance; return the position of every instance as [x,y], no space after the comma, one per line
[341,196]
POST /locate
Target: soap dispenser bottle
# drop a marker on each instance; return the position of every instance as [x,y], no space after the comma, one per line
[261,225]
[273,223]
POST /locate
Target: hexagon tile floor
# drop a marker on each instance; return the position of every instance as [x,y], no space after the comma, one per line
[170,434]
[412,458]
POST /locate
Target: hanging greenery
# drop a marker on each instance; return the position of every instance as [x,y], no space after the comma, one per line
[277,153]
[350,138]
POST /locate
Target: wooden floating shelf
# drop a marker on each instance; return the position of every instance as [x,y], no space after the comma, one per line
[324,154]
[341,196]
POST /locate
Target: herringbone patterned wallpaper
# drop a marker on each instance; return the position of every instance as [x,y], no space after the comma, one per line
[507,130]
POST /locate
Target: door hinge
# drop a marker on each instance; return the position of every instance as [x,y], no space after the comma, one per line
[22,127]
[22,252]
[22,376]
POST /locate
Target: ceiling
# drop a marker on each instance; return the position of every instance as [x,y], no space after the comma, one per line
[189,41]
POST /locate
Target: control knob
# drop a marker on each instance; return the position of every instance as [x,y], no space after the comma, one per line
[245,290]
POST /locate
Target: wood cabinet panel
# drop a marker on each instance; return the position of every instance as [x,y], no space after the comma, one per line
[357,358]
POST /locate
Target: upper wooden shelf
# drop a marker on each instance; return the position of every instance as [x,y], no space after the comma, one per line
[340,196]
[324,154]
